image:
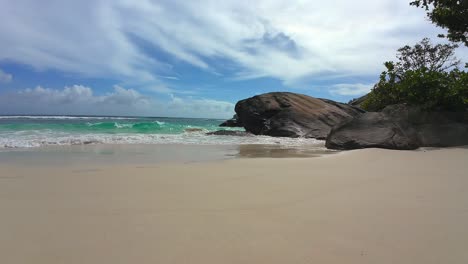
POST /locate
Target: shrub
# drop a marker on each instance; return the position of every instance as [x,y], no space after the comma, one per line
[421,77]
[423,87]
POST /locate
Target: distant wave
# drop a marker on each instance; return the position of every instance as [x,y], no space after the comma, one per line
[67,117]
[120,126]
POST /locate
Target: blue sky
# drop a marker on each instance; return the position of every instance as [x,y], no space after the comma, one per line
[194,58]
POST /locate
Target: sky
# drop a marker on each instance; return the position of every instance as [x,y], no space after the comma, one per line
[194,58]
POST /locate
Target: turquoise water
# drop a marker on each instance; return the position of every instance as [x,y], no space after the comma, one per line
[36,131]
[108,125]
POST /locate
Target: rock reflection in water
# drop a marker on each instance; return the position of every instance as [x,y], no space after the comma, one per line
[276,151]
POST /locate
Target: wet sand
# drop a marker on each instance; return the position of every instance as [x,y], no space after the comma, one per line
[131,154]
[366,206]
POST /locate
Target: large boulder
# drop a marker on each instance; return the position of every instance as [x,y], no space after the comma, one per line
[284,114]
[401,127]
[370,130]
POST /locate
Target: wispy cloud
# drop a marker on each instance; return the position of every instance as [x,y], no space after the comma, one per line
[287,40]
[5,77]
[350,89]
[199,107]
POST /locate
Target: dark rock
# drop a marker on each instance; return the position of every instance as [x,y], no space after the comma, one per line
[358,101]
[190,130]
[233,122]
[284,114]
[230,133]
[401,127]
[370,130]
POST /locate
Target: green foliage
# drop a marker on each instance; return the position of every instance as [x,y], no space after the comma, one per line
[423,87]
[449,14]
[421,77]
[438,57]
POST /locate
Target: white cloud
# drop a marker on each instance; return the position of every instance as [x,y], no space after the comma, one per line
[199,107]
[77,94]
[5,77]
[81,100]
[289,40]
[350,89]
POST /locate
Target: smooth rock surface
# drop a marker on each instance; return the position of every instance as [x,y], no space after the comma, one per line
[401,127]
[284,114]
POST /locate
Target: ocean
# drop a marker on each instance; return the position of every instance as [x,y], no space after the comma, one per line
[38,131]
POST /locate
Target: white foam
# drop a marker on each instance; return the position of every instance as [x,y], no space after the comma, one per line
[93,124]
[47,137]
[118,125]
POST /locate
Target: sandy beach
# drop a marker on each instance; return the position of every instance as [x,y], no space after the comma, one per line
[366,206]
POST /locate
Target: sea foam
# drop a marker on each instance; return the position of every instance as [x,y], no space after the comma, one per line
[48,138]
[37,131]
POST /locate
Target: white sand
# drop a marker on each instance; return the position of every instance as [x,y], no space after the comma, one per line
[367,206]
